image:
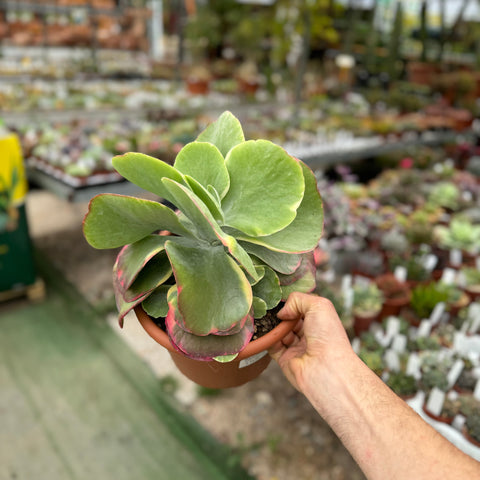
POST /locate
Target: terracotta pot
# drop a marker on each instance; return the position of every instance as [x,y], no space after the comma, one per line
[361,323]
[469,437]
[249,364]
[198,87]
[438,418]
[454,308]
[410,316]
[392,306]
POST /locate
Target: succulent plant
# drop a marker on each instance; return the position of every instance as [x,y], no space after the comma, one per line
[445,195]
[249,216]
[472,425]
[425,298]
[471,276]
[367,299]
[460,234]
[402,383]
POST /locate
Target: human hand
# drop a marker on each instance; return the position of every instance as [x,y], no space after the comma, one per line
[318,339]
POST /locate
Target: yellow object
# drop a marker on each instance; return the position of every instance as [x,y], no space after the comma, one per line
[13,181]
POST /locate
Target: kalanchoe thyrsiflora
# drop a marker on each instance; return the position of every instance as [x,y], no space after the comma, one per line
[247,219]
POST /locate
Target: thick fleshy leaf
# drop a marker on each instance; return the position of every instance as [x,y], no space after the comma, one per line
[304,233]
[259,307]
[194,209]
[132,258]
[268,289]
[204,162]
[213,293]
[206,197]
[301,281]
[116,220]
[146,172]
[206,348]
[282,262]
[224,133]
[156,304]
[239,253]
[154,273]
[123,306]
[266,188]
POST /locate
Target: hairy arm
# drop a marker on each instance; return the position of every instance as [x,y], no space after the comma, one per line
[383,434]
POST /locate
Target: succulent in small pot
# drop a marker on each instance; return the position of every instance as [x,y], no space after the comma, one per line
[248,217]
[471,278]
[472,429]
[450,408]
[461,234]
[423,300]
[366,307]
[396,294]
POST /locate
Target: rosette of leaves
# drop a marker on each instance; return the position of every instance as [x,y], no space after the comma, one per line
[246,220]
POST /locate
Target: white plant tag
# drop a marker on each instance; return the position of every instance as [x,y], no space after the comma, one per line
[475,325]
[346,283]
[460,343]
[455,257]
[348,299]
[361,281]
[413,365]
[476,390]
[437,313]
[458,422]
[455,372]
[448,276]
[399,343]
[246,362]
[400,273]
[435,401]
[392,361]
[356,343]
[477,262]
[430,262]
[424,328]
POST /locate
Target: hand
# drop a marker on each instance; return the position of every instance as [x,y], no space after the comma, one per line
[317,340]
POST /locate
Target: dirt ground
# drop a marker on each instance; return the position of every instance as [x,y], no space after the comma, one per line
[273,429]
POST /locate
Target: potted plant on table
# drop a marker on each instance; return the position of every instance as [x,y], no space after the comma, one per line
[366,307]
[403,384]
[249,217]
[396,294]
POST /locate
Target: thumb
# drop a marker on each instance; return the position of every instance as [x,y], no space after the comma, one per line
[296,306]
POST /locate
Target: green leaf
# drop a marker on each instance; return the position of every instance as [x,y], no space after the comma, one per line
[266,188]
[280,262]
[146,172]
[259,307]
[304,233]
[194,209]
[204,162]
[225,358]
[132,258]
[156,304]
[213,293]
[208,347]
[116,220]
[301,281]
[154,273]
[268,289]
[224,133]
[206,197]
[239,253]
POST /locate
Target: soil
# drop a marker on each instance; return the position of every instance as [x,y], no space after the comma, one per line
[272,428]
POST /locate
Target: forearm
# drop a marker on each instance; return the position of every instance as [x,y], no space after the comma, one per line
[384,435]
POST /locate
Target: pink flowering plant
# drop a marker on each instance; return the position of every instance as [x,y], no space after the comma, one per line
[240,239]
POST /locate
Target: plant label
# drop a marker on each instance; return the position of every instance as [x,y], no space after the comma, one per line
[435,401]
[455,372]
[400,273]
[448,276]
[251,360]
[476,390]
[346,283]
[348,299]
[477,262]
[399,343]
[413,365]
[430,262]
[424,328]
[392,360]
[356,344]
[455,257]
[393,326]
[460,343]
[475,325]
[458,422]
[437,313]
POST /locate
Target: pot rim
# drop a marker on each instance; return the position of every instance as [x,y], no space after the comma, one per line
[252,348]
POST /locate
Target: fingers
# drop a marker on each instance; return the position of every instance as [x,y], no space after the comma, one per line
[300,304]
[277,350]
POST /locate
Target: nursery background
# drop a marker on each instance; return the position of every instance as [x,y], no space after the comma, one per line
[381,99]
